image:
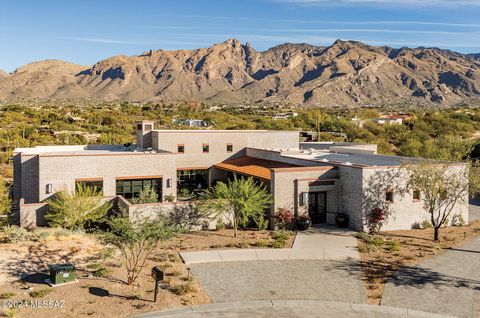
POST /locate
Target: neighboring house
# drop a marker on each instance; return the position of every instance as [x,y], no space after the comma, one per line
[197,123]
[319,179]
[284,115]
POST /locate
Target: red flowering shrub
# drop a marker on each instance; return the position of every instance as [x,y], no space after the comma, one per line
[375,219]
[284,218]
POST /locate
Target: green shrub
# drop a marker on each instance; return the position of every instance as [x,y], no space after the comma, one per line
[220,225]
[261,243]
[426,224]
[281,235]
[184,289]
[16,234]
[7,295]
[40,293]
[362,236]
[74,211]
[279,244]
[102,272]
[375,240]
[147,195]
[393,246]
[42,236]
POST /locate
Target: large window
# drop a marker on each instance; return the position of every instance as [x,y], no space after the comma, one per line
[191,182]
[96,184]
[131,188]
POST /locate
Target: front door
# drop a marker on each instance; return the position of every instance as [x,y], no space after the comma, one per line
[317,207]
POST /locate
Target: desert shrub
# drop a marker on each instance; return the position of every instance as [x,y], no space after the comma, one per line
[393,246]
[362,236]
[375,240]
[42,236]
[458,220]
[16,234]
[7,295]
[102,272]
[136,241]
[94,266]
[261,243]
[280,239]
[184,289]
[147,195]
[74,211]
[220,224]
[426,224]
[40,293]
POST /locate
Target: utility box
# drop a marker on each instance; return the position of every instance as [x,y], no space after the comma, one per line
[62,273]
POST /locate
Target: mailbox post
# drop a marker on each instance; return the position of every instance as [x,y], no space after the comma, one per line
[157,275]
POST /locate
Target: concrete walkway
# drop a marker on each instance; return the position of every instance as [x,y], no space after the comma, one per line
[447,284]
[319,243]
[290,309]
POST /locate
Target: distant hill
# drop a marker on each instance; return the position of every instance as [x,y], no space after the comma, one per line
[346,73]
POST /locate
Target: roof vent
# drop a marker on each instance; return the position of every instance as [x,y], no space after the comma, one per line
[325,160]
[348,163]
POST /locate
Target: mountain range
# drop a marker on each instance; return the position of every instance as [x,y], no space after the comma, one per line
[347,73]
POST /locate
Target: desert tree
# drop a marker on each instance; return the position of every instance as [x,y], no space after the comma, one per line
[136,240]
[442,186]
[377,209]
[75,210]
[5,202]
[241,200]
[474,179]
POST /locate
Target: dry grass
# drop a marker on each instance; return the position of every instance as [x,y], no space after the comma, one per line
[380,260]
[108,296]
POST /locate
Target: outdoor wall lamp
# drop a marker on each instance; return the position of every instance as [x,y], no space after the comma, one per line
[303,198]
[169,182]
[49,188]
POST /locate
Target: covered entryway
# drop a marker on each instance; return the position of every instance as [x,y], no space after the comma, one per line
[317,207]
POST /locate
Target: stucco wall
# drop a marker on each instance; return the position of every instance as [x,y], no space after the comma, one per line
[351,195]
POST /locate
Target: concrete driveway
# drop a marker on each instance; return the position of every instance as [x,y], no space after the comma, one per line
[289,309]
[474,210]
[446,284]
[281,279]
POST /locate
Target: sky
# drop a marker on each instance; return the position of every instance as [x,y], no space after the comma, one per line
[86,31]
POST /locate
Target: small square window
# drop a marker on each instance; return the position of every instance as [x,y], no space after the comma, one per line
[148,127]
[205,148]
[416,195]
[180,149]
[229,148]
[389,196]
[139,126]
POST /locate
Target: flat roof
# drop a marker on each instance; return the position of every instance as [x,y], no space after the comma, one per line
[353,159]
[253,167]
[82,150]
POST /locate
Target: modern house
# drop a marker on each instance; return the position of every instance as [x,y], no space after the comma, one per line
[319,179]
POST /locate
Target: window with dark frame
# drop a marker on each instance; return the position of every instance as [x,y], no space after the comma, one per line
[180,148]
[96,185]
[416,195]
[205,148]
[131,188]
[229,148]
[389,196]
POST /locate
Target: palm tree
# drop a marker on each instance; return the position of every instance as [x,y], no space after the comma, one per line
[240,201]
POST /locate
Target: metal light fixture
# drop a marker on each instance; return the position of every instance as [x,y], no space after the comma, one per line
[169,182]
[304,198]
[49,188]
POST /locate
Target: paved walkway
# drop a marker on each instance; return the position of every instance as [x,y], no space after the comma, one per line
[322,243]
[281,279]
[289,309]
[448,284]
[474,210]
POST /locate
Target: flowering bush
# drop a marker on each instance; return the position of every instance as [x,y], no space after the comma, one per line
[375,219]
[284,218]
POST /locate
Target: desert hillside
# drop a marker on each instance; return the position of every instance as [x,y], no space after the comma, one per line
[343,74]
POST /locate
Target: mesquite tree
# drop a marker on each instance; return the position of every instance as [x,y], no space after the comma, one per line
[442,188]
